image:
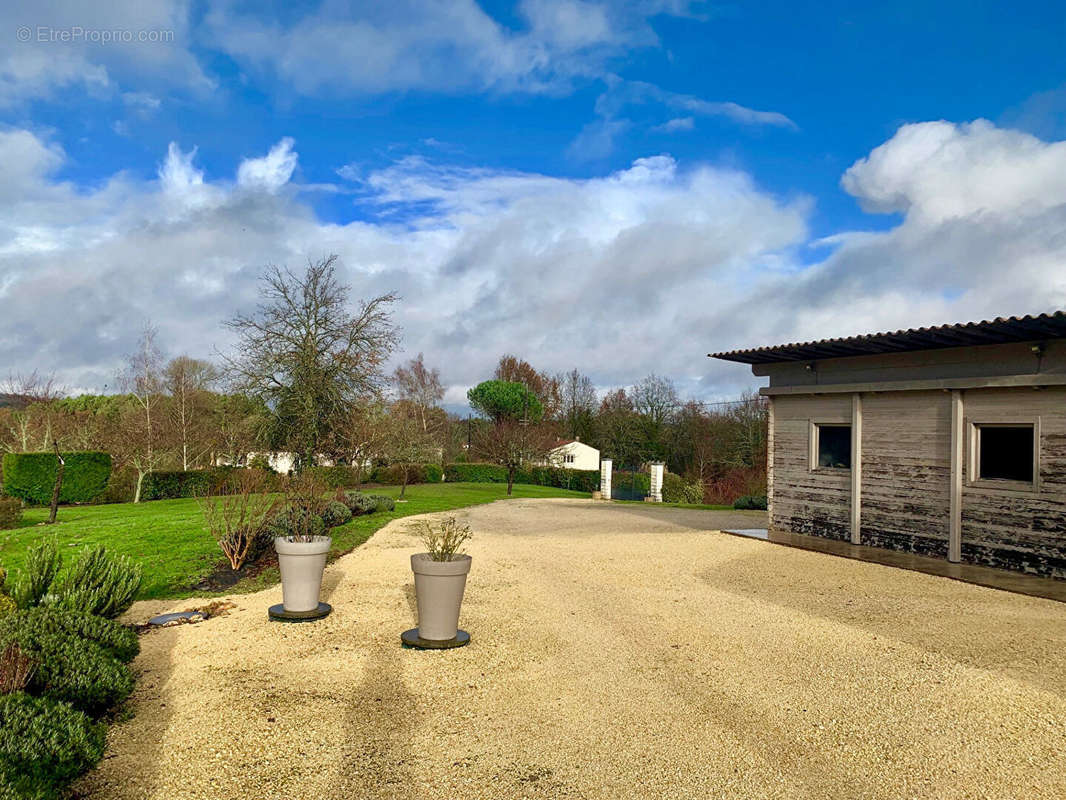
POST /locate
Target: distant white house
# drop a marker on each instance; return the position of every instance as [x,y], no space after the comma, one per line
[574,454]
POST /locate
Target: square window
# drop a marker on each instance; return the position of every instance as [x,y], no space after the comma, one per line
[1005,452]
[834,446]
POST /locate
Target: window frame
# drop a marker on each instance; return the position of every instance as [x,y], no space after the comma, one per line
[813,436]
[973,445]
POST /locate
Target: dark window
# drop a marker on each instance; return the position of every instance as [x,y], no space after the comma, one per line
[1005,452]
[834,446]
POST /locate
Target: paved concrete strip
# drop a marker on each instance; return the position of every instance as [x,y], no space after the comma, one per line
[617,652]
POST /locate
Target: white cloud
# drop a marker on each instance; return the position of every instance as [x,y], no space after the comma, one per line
[67,44]
[676,124]
[382,47]
[270,172]
[647,268]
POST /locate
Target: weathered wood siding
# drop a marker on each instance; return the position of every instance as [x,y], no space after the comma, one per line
[816,502]
[906,471]
[1016,529]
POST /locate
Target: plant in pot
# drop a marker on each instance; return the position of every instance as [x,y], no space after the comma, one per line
[440,579]
[302,544]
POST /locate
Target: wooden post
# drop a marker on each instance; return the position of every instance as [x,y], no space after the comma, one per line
[58,484]
[856,468]
[955,502]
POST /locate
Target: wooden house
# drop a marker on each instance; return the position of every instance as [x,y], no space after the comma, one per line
[948,442]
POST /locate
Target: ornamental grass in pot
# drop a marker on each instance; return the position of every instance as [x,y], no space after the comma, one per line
[440,578]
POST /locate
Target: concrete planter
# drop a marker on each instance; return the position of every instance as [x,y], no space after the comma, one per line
[301,565]
[439,587]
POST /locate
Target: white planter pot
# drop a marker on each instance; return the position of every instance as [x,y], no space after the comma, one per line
[439,587]
[301,565]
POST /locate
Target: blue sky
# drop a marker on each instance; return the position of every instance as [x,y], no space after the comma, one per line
[616,187]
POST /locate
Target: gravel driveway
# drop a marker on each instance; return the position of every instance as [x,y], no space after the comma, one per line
[618,651]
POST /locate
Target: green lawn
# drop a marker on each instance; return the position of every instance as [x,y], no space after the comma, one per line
[169,539]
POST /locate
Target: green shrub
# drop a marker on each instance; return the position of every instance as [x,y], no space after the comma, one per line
[10,512]
[99,583]
[382,503]
[32,476]
[7,602]
[177,484]
[44,745]
[118,640]
[434,473]
[260,461]
[295,522]
[359,503]
[336,514]
[78,671]
[339,477]
[676,490]
[42,565]
[756,502]
[475,473]
[121,488]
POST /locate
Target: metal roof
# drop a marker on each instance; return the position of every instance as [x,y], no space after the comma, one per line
[1001,330]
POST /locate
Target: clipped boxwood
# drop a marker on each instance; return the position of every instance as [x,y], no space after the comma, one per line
[32,476]
[82,672]
[45,745]
[336,514]
[172,485]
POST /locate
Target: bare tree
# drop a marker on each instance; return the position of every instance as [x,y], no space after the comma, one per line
[655,401]
[188,382]
[406,443]
[307,358]
[139,431]
[514,444]
[22,389]
[419,386]
[578,397]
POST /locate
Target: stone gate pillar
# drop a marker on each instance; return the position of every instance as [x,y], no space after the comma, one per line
[656,488]
[605,478]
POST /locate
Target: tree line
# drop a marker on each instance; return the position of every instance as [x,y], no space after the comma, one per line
[308,376]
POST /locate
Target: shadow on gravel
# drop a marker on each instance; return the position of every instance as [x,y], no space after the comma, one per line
[380,719]
[692,518]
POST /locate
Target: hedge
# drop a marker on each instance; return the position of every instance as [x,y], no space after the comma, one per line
[32,476]
[392,475]
[10,512]
[338,477]
[581,480]
[750,502]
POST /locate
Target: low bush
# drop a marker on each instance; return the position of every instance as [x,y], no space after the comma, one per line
[336,514]
[475,473]
[392,475]
[359,503]
[99,583]
[382,503]
[74,670]
[32,476]
[293,522]
[677,490]
[44,745]
[10,512]
[118,640]
[42,566]
[750,502]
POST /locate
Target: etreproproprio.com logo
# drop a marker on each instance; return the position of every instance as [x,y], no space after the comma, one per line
[76,34]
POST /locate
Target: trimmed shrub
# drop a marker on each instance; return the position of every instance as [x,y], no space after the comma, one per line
[336,514]
[750,502]
[475,473]
[339,477]
[44,745]
[78,671]
[32,476]
[121,488]
[10,512]
[295,521]
[434,473]
[177,484]
[382,503]
[359,503]
[676,490]
[99,583]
